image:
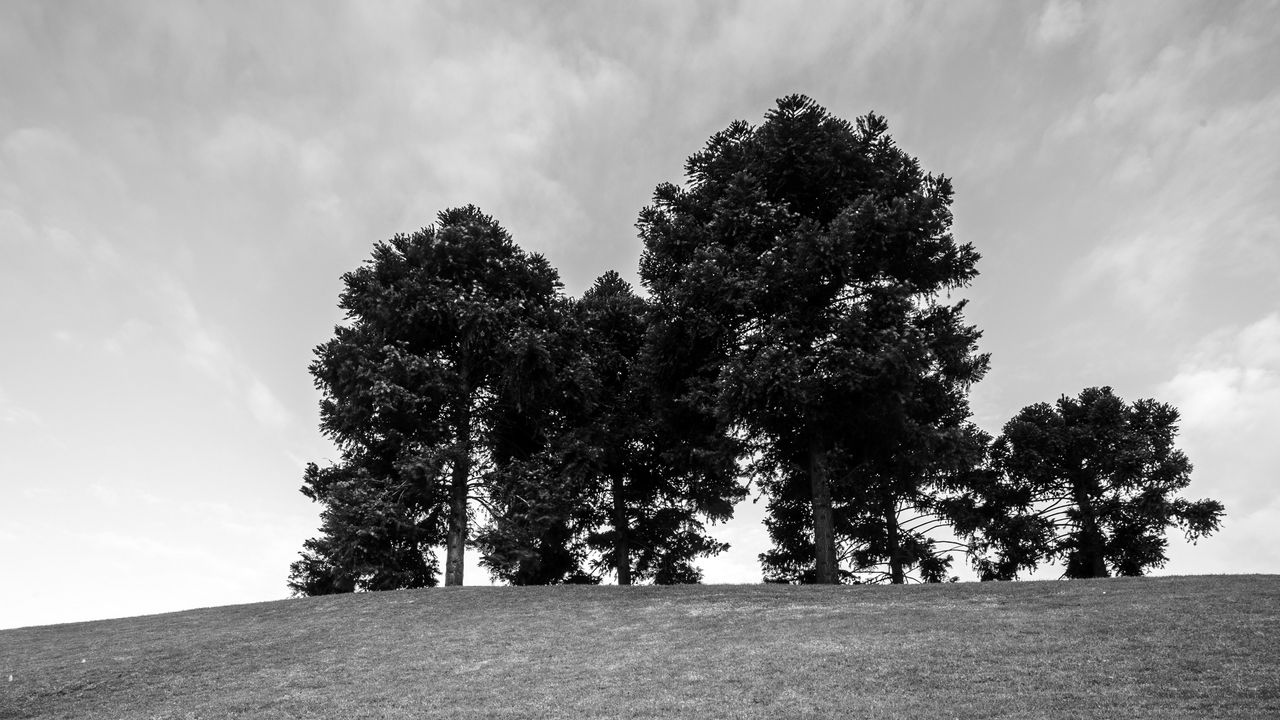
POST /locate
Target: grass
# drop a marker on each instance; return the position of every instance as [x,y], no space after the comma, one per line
[1188,647]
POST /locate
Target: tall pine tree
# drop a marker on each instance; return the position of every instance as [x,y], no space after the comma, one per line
[422,385]
[807,263]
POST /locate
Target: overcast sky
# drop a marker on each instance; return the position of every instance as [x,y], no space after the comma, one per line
[183,184]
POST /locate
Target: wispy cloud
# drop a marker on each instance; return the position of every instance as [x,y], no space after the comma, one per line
[1228,391]
[244,144]
[181,186]
[1202,217]
[266,407]
[1060,22]
[204,349]
[51,175]
[12,413]
[109,263]
[1184,142]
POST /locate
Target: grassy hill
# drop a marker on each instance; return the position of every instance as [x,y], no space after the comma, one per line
[1190,647]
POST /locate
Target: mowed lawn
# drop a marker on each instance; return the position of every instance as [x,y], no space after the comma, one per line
[1186,647]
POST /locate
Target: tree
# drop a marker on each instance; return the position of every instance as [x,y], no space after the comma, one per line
[1090,482]
[617,488]
[658,470]
[806,262]
[445,329]
[370,537]
[891,525]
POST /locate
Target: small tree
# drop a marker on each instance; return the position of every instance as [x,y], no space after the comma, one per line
[1090,482]
[371,536]
[445,326]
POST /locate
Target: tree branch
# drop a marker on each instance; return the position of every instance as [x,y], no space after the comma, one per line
[926,527]
[484,503]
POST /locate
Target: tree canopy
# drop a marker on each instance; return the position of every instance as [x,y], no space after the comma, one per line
[621,488]
[661,469]
[800,332]
[810,258]
[464,385]
[1090,482]
[446,328]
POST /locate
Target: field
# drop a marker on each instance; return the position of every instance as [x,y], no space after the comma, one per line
[1186,647]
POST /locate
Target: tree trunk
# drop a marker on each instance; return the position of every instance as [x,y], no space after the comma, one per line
[621,535]
[824,533]
[1090,560]
[457,536]
[888,507]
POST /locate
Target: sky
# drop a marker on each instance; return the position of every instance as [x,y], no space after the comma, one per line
[183,184]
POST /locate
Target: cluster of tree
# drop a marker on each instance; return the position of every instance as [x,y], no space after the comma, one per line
[798,333]
[465,384]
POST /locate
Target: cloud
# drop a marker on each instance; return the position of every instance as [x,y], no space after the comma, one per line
[12,413]
[1188,169]
[1228,392]
[204,350]
[50,174]
[213,172]
[38,152]
[485,126]
[1145,269]
[265,407]
[146,548]
[199,346]
[747,539]
[249,147]
[1059,23]
[104,495]
[243,144]
[94,253]
[1246,543]
[15,231]
[1233,378]
[129,334]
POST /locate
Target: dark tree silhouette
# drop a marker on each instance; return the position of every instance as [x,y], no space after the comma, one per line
[804,266]
[618,487]
[1090,482]
[445,329]
[891,524]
